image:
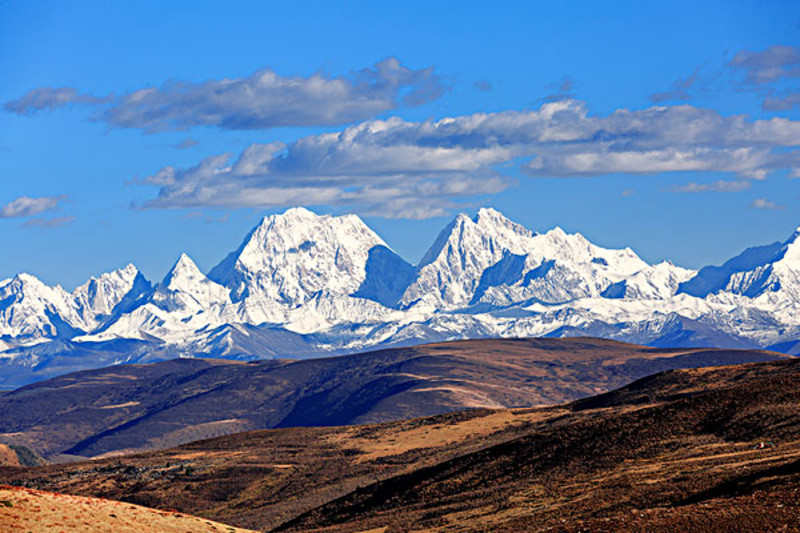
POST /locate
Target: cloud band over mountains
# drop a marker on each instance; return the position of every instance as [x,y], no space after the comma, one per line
[262,100]
[397,168]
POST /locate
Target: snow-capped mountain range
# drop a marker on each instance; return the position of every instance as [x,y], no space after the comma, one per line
[303,284]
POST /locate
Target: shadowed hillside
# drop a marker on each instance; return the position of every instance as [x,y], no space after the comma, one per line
[126,408]
[715,449]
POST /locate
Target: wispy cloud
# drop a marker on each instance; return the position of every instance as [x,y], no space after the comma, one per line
[483,85]
[397,168]
[678,90]
[26,206]
[763,203]
[560,90]
[772,64]
[763,71]
[262,100]
[49,223]
[783,101]
[48,98]
[188,142]
[716,186]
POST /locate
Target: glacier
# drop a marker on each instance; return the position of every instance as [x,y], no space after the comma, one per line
[309,285]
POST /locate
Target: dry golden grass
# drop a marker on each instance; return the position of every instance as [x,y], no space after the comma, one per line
[401,438]
[26,510]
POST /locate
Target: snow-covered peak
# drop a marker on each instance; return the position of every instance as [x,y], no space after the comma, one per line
[450,271]
[32,309]
[184,271]
[108,294]
[791,247]
[656,282]
[495,220]
[772,271]
[290,257]
[575,249]
[187,291]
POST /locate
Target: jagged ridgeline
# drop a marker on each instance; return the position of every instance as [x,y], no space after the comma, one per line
[303,285]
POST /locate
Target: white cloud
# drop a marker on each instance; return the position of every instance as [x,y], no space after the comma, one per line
[25,206]
[763,203]
[385,166]
[262,100]
[716,186]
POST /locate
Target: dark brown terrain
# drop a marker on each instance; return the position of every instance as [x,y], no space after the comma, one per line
[128,408]
[714,449]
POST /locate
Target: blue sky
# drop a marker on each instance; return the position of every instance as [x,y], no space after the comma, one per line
[668,127]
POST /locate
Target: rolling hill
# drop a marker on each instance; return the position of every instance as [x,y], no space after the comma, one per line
[35,510]
[712,449]
[127,408]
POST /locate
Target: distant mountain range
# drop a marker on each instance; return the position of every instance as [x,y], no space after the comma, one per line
[304,285]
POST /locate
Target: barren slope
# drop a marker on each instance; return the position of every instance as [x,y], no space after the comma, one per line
[34,510]
[128,408]
[693,450]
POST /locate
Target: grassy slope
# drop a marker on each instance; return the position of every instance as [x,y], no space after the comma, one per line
[676,451]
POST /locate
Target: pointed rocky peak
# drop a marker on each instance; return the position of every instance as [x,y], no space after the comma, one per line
[184,270]
[121,279]
[791,247]
[108,293]
[186,290]
[451,270]
[453,228]
[753,272]
[186,276]
[488,229]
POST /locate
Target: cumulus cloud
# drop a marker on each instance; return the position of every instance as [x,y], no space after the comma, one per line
[763,203]
[25,206]
[48,98]
[262,100]
[769,65]
[397,168]
[716,186]
[678,90]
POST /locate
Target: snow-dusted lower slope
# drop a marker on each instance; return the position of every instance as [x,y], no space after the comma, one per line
[303,284]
